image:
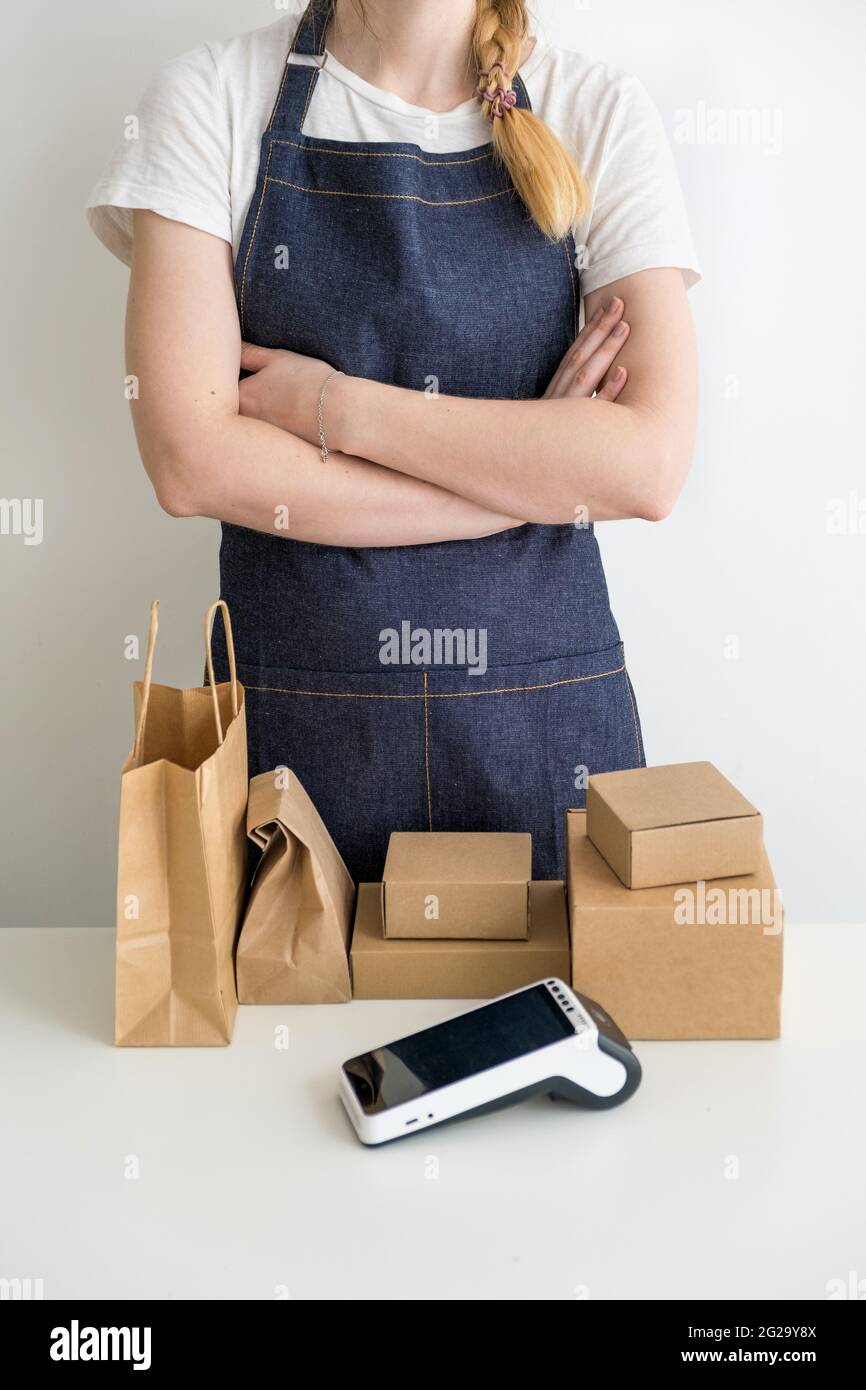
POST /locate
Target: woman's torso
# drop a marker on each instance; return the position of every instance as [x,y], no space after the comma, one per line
[424,270]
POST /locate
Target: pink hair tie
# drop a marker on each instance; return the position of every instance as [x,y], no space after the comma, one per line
[496,95]
[506,99]
[497,64]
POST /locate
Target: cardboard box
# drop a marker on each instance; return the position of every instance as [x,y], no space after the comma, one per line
[694,960]
[658,825]
[457,884]
[384,968]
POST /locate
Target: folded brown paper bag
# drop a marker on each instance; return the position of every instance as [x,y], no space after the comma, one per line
[182,858]
[295,935]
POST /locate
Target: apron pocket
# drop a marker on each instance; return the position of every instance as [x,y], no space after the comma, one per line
[512,750]
[356,741]
[439,748]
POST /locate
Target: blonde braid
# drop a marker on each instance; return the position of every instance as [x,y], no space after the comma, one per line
[543,173]
[497,41]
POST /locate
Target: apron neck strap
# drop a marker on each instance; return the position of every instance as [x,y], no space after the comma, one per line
[522,95]
[310,33]
[299,79]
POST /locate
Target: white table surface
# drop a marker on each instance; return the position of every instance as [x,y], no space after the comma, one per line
[252,1185]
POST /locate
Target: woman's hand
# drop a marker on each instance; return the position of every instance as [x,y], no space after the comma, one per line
[623,462]
[584,369]
[284,389]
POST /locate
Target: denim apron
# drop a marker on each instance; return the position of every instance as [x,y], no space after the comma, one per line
[468,685]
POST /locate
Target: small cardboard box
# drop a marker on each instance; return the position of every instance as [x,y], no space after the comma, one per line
[692,960]
[658,825]
[457,884]
[385,968]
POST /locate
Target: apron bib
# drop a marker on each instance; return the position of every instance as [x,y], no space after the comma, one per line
[468,685]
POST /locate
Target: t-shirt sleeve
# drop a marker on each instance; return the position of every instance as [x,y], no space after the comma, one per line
[174,157]
[638,219]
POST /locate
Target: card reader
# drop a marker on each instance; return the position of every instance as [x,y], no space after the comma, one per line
[545,1038]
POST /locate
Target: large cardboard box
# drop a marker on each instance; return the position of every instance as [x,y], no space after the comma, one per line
[669,824]
[692,960]
[385,968]
[457,884]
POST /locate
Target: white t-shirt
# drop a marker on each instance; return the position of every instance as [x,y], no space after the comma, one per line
[195,152]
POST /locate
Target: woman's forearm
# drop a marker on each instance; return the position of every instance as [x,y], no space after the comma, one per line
[251,474]
[547,458]
[206,459]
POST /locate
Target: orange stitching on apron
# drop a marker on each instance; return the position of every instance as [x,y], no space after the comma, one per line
[313,75]
[402,197]
[253,242]
[308,18]
[427,752]
[638,750]
[441,695]
[383,154]
[340,193]
[279,95]
[571,282]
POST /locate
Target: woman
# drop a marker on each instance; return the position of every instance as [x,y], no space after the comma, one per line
[408,472]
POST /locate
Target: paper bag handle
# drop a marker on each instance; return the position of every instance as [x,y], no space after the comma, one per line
[146,680]
[148,670]
[230,650]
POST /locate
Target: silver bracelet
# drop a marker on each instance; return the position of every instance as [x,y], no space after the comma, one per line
[325,383]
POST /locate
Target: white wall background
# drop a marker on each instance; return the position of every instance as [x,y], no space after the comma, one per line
[746,561]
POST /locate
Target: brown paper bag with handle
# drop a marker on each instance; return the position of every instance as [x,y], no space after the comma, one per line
[294,941]
[182,858]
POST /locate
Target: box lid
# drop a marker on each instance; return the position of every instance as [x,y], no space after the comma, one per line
[600,887]
[439,856]
[647,798]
